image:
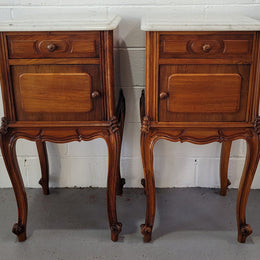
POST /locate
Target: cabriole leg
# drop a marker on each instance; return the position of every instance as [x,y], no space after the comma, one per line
[224,161]
[147,158]
[121,118]
[252,158]
[43,157]
[9,154]
[112,144]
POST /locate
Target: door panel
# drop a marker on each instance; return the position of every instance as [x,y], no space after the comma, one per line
[198,93]
[204,93]
[48,92]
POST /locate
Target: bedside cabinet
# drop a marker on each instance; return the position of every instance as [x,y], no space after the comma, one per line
[202,86]
[58,86]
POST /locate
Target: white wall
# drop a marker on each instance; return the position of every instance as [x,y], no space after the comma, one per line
[85,164]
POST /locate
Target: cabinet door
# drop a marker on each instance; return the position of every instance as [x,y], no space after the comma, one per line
[57,92]
[197,93]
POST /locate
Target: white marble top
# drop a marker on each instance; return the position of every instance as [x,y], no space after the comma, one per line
[96,23]
[191,22]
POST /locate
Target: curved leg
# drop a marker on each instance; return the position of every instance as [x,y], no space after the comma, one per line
[224,160]
[120,182]
[252,158]
[112,144]
[121,118]
[9,155]
[147,158]
[43,157]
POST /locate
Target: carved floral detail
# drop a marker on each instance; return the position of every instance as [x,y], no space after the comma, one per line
[182,135]
[114,126]
[4,126]
[146,124]
[257,125]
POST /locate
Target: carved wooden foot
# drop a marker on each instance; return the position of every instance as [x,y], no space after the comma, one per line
[252,158]
[244,232]
[224,161]
[115,230]
[43,157]
[147,232]
[20,231]
[7,143]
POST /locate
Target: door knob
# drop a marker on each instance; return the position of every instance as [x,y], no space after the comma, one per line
[163,95]
[95,94]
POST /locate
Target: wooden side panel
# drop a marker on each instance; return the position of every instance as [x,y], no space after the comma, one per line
[5,81]
[55,92]
[204,93]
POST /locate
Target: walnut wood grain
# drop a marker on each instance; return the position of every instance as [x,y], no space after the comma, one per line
[147,158]
[203,93]
[225,93]
[46,45]
[205,45]
[59,87]
[59,92]
[201,87]
[9,154]
[252,159]
[56,92]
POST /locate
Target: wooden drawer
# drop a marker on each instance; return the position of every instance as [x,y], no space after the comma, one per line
[220,45]
[203,93]
[57,92]
[51,45]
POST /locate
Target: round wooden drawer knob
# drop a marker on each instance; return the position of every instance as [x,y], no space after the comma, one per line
[95,94]
[51,47]
[206,47]
[163,95]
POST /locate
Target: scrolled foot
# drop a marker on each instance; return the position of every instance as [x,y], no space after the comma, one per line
[20,231]
[244,232]
[115,230]
[120,188]
[147,232]
[45,187]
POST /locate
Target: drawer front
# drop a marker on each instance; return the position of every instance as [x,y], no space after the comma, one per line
[44,45]
[206,46]
[51,93]
[212,93]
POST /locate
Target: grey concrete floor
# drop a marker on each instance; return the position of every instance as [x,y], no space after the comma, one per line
[191,223]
